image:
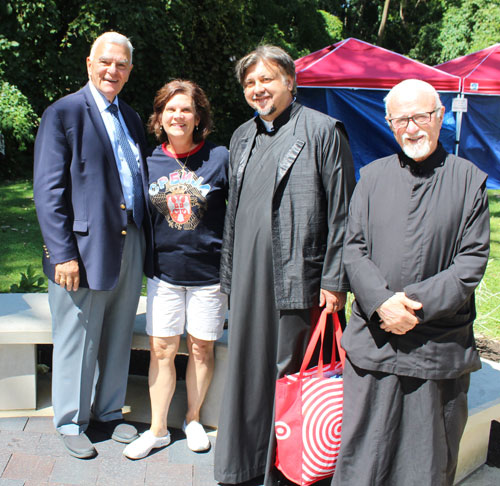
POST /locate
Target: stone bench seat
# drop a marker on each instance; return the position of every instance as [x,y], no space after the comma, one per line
[25,322]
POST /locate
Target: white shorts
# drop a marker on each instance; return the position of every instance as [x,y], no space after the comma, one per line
[201,309]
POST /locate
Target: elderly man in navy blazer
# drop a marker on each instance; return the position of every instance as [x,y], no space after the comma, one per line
[89,194]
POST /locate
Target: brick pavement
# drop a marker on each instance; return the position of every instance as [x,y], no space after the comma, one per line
[31,454]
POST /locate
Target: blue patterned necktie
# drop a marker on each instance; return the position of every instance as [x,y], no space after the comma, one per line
[138,210]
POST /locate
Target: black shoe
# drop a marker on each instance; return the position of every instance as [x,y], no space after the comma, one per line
[78,446]
[118,430]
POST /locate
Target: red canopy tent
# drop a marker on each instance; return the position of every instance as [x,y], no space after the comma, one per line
[479,127]
[349,80]
[353,63]
[480,71]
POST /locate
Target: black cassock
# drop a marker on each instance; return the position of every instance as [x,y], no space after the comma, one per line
[422,229]
[283,234]
[269,342]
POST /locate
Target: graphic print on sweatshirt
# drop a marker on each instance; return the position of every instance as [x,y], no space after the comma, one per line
[181,198]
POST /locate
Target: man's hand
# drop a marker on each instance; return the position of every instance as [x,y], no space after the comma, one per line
[68,275]
[334,301]
[397,314]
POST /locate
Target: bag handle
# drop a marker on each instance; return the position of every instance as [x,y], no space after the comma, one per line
[319,332]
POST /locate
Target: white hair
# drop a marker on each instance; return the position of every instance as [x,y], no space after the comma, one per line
[412,86]
[112,38]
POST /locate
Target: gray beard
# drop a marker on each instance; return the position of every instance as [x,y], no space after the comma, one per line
[267,112]
[417,152]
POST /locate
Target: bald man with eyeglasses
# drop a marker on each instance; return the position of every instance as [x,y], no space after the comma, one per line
[416,248]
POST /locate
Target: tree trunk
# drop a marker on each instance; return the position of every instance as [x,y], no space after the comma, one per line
[381,29]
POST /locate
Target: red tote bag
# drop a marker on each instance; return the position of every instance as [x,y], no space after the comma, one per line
[308,413]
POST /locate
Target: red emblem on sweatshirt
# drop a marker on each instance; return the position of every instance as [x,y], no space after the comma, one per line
[179,206]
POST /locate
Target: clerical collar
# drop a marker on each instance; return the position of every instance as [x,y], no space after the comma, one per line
[273,126]
[426,166]
[268,125]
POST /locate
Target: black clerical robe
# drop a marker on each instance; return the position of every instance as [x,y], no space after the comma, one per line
[423,229]
[285,223]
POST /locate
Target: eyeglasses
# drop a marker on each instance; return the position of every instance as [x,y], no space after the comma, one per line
[418,119]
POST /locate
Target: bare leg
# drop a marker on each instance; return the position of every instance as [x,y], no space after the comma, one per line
[161,380]
[199,372]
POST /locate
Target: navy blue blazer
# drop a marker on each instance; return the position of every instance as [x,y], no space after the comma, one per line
[78,193]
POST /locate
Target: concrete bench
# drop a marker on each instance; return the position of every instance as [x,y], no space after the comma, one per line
[484,407]
[25,321]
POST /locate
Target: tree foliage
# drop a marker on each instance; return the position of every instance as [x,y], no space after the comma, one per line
[18,118]
[465,26]
[43,45]
[469,26]
[17,122]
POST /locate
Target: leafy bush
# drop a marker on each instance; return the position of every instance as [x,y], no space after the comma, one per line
[30,282]
[18,123]
[17,118]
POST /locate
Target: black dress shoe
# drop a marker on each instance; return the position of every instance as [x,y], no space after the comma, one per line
[118,430]
[78,446]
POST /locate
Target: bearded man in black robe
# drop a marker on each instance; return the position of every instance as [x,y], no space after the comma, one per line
[291,179]
[416,248]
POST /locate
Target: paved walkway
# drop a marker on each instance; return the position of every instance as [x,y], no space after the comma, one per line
[31,454]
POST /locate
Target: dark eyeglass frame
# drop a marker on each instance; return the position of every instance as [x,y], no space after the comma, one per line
[402,122]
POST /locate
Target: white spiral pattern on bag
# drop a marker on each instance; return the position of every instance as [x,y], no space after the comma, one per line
[322,415]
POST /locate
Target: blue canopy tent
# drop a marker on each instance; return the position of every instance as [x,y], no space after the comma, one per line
[478,128]
[349,80]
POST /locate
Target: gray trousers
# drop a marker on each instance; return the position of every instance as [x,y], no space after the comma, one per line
[398,430]
[92,334]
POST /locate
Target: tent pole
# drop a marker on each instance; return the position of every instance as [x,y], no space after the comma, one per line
[458,128]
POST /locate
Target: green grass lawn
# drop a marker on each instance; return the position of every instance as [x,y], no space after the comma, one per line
[488,293]
[20,238]
[21,246]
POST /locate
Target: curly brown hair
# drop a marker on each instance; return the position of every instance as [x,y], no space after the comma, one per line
[201,105]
